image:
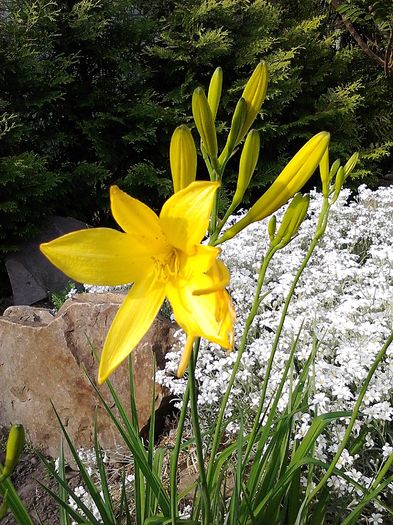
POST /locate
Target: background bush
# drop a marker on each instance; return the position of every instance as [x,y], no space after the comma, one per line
[91,91]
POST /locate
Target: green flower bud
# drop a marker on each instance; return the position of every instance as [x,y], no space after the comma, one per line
[239,116]
[248,162]
[340,177]
[293,217]
[300,214]
[14,447]
[289,220]
[271,227]
[204,122]
[214,92]
[254,94]
[349,166]
[183,158]
[334,169]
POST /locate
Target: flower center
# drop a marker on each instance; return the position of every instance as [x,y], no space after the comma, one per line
[167,266]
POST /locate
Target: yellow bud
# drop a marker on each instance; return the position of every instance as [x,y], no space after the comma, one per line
[248,162]
[292,178]
[254,94]
[271,227]
[214,92]
[349,166]
[239,116]
[14,447]
[324,171]
[183,158]
[204,122]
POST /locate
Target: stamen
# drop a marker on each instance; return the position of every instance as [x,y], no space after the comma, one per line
[166,267]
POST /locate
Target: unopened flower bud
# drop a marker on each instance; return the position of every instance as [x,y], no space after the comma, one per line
[254,94]
[289,220]
[214,92]
[238,119]
[183,158]
[324,171]
[350,165]
[290,181]
[271,227]
[333,169]
[14,447]
[248,162]
[204,122]
[340,177]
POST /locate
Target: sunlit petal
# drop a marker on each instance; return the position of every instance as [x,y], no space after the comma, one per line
[220,278]
[131,323]
[185,216]
[209,315]
[138,220]
[99,256]
[200,262]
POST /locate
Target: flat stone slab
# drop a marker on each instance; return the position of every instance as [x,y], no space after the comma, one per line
[43,359]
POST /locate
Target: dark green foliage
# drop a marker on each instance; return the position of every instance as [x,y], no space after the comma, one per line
[91,91]
[27,188]
[318,81]
[75,111]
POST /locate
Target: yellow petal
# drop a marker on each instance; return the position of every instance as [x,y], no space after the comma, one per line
[99,256]
[138,220]
[204,257]
[220,277]
[131,323]
[185,216]
[210,315]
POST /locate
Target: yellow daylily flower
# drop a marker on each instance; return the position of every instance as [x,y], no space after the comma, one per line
[163,257]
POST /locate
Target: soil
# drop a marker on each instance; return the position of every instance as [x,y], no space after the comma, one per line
[41,507]
[30,469]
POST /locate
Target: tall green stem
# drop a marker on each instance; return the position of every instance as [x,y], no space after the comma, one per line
[224,402]
[320,230]
[354,417]
[197,433]
[175,455]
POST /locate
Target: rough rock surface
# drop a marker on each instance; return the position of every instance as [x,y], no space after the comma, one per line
[31,274]
[43,358]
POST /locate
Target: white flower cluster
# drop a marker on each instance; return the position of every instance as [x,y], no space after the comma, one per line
[344,300]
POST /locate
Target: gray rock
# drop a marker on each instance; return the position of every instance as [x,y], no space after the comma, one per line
[30,273]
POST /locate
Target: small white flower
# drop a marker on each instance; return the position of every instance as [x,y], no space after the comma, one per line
[375,518]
